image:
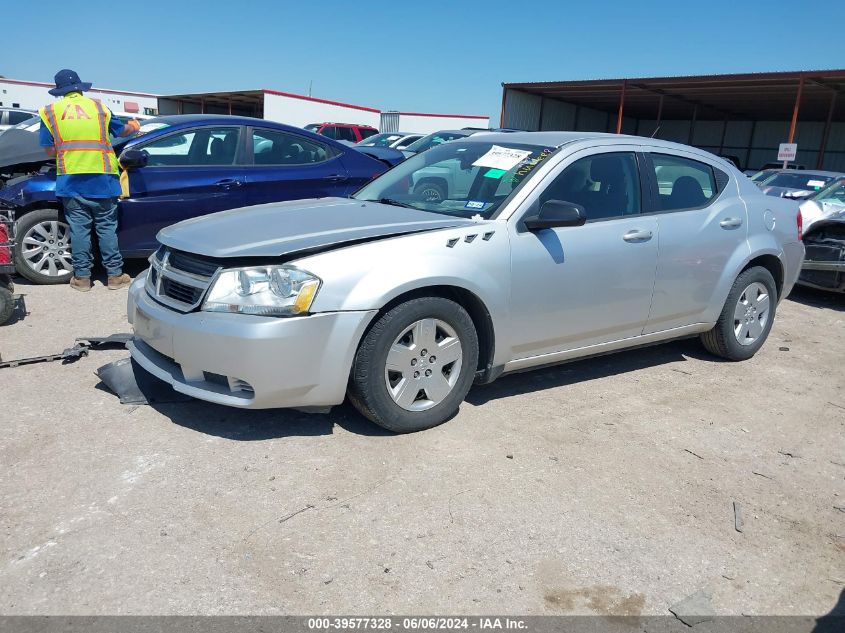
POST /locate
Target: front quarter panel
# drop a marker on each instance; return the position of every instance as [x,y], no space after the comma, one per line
[369,276]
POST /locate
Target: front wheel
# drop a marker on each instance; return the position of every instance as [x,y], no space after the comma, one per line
[42,251]
[746,319]
[415,365]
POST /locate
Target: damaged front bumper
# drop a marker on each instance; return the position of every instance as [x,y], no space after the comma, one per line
[246,361]
[824,263]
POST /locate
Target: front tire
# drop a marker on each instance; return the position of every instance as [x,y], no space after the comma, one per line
[746,319]
[42,251]
[431,191]
[415,365]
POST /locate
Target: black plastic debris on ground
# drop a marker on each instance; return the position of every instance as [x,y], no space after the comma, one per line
[71,354]
[135,385]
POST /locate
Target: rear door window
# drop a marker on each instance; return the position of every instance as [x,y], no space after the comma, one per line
[345,134]
[682,183]
[272,147]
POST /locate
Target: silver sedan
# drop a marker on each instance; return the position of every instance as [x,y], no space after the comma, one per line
[538,248]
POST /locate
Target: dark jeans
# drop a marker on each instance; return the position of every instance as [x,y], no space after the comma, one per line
[81,214]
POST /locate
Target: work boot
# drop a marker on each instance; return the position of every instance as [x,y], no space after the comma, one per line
[119,281]
[83,284]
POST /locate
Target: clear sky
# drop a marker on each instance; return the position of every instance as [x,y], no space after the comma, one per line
[424,55]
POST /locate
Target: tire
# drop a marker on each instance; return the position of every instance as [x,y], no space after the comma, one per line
[35,228]
[7,303]
[735,337]
[431,190]
[396,400]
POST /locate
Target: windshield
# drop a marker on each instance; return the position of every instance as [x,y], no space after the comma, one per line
[834,192]
[798,180]
[146,127]
[313,127]
[380,140]
[460,178]
[438,138]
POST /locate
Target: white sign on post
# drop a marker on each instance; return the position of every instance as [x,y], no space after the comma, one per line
[787,152]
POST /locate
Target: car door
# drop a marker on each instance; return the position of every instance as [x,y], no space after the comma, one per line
[702,223]
[288,166]
[579,286]
[190,172]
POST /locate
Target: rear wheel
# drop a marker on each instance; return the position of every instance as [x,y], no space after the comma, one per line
[42,251]
[415,365]
[746,319]
[7,303]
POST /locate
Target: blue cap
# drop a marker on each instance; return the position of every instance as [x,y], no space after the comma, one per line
[68,81]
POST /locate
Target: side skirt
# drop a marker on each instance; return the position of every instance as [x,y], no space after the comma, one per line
[645,340]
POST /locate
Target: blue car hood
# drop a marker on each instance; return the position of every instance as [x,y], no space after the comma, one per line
[272,230]
[28,189]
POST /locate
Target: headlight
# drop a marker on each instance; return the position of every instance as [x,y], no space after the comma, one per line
[265,290]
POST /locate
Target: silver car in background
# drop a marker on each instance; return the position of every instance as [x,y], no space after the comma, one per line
[563,245]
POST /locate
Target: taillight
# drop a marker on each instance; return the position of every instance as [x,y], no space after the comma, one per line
[799,220]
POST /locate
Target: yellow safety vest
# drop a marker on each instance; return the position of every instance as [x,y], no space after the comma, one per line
[80,129]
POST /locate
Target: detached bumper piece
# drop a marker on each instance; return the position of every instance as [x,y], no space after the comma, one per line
[71,354]
[824,263]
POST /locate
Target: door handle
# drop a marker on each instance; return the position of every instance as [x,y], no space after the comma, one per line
[637,236]
[730,223]
[228,183]
[335,177]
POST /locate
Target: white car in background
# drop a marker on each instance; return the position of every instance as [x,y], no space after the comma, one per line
[10,117]
[396,140]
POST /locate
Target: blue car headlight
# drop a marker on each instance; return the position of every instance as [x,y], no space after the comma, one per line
[263,290]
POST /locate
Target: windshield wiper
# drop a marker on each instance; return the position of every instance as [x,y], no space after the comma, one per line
[393,202]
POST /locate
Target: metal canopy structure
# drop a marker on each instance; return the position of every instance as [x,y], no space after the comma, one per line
[769,96]
[242,103]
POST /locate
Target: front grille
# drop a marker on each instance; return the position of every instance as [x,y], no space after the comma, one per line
[192,264]
[180,292]
[179,280]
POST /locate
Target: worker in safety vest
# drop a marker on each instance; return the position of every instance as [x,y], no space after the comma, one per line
[75,129]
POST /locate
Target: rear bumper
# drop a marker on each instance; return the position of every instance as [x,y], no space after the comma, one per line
[793,254]
[246,361]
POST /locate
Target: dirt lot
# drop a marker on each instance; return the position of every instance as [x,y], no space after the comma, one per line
[603,486]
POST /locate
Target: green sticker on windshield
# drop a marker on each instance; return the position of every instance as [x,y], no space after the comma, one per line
[495,173]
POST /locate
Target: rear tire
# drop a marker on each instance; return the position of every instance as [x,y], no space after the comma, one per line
[746,319]
[397,379]
[34,233]
[7,303]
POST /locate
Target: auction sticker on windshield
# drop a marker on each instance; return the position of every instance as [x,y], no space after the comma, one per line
[502,158]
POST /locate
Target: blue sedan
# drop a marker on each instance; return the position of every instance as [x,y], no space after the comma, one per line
[185,166]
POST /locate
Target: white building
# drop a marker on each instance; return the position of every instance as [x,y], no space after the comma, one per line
[284,107]
[300,110]
[31,95]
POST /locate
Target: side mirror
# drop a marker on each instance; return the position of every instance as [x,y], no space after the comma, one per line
[556,213]
[134,158]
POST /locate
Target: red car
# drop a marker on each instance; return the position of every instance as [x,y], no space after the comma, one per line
[351,132]
[7,301]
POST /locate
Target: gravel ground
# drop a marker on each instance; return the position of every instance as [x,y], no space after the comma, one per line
[604,486]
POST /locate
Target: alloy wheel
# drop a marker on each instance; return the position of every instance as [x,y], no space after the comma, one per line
[46,249]
[423,365]
[751,313]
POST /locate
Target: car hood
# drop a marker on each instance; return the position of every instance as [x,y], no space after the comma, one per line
[301,226]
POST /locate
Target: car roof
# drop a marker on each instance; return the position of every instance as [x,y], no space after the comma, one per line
[186,120]
[558,139]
